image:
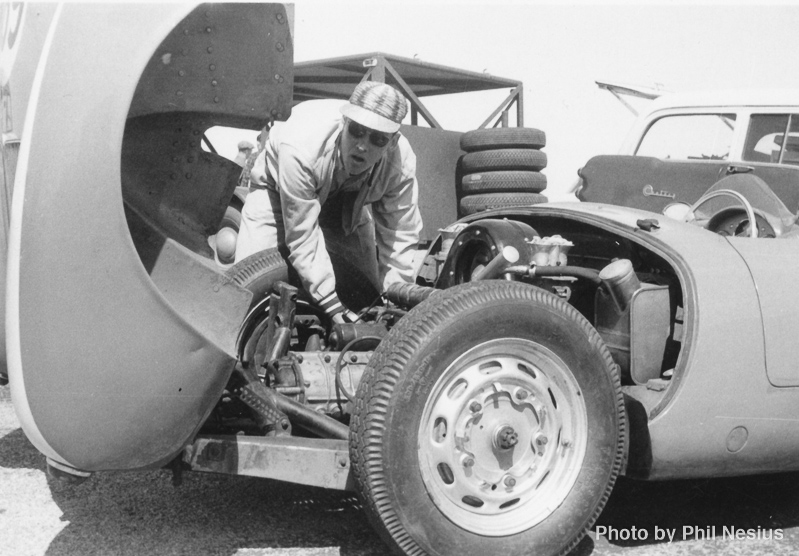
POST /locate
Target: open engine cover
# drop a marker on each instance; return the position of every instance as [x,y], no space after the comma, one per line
[120,333]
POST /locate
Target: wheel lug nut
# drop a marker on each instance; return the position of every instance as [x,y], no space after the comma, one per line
[468,462]
[510,482]
[541,440]
[475,407]
[522,394]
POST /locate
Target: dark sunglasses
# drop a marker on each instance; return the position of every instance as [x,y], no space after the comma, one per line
[376,138]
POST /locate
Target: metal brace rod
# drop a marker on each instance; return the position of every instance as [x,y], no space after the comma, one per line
[513,96]
[414,99]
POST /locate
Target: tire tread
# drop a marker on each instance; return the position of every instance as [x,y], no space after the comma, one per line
[503,181]
[503,138]
[243,272]
[472,204]
[504,159]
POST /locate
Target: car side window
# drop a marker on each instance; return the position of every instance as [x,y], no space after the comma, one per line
[773,138]
[689,137]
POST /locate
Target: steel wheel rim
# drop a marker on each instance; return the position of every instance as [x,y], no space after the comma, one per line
[503,436]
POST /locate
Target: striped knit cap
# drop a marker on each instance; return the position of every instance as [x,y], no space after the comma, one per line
[377,106]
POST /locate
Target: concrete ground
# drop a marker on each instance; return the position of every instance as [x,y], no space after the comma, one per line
[131,514]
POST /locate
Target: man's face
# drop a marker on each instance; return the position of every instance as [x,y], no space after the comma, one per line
[362,147]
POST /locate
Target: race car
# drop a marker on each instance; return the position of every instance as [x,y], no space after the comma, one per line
[487,408]
[491,406]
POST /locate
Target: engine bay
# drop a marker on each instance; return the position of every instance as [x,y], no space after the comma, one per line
[631,295]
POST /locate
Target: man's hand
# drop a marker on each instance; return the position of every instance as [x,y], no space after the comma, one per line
[336,310]
[344,317]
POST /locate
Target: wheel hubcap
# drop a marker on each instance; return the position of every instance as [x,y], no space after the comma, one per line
[502,437]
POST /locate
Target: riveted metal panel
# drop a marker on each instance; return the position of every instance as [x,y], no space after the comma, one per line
[223,64]
[231,61]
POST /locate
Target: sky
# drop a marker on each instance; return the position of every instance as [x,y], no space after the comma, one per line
[559,50]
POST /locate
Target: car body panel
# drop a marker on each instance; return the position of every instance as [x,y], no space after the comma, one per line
[24,32]
[652,184]
[111,365]
[720,389]
[772,265]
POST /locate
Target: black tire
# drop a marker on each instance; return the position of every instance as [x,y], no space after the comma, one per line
[460,364]
[503,138]
[503,182]
[478,203]
[259,272]
[504,159]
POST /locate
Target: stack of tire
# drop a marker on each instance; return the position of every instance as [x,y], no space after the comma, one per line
[501,168]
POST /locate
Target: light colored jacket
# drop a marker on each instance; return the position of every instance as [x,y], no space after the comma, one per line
[299,161]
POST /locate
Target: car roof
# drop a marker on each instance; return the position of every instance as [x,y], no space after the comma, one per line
[737,97]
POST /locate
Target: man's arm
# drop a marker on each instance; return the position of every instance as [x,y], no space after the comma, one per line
[398,225]
[300,208]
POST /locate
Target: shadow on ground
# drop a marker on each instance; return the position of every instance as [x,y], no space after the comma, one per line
[16,452]
[207,514]
[143,513]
